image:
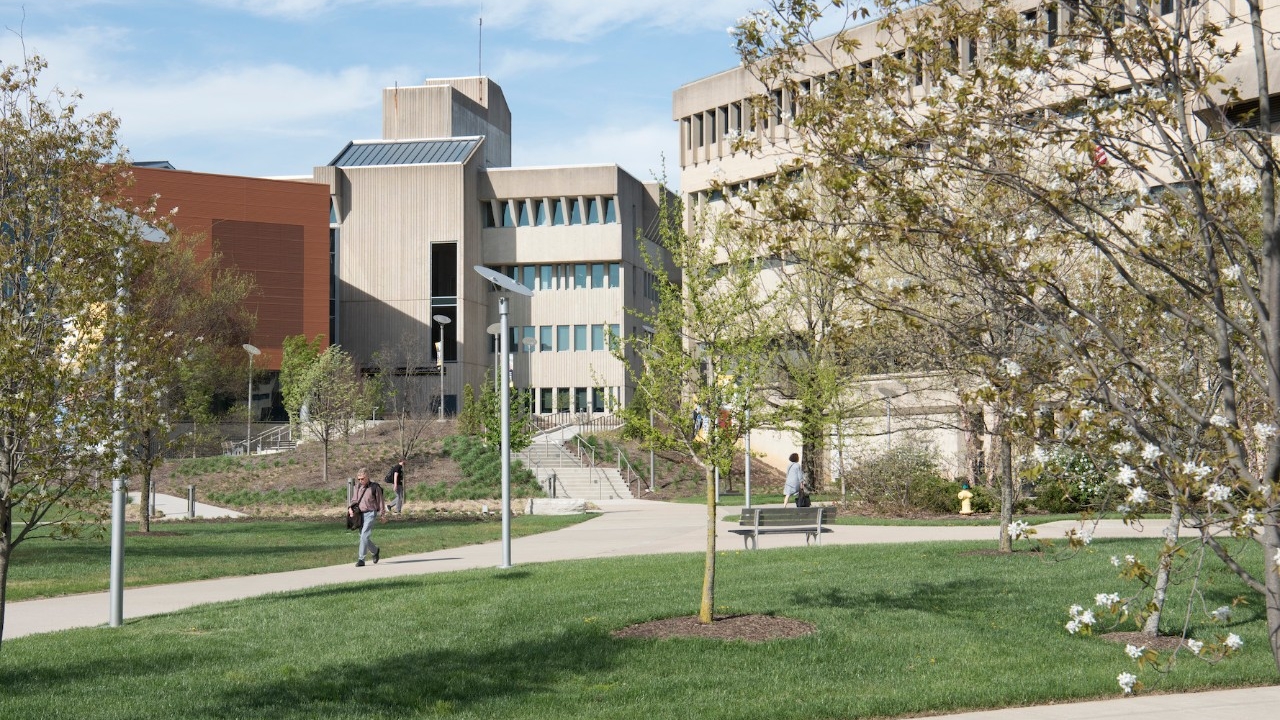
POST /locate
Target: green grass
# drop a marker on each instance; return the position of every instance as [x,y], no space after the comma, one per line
[901,630]
[179,552]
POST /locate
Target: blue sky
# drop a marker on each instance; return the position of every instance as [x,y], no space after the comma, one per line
[275,87]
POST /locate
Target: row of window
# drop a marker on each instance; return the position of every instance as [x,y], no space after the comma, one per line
[1041,26]
[578,399]
[560,338]
[549,212]
[576,276]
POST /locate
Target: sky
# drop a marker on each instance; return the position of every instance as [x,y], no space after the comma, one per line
[276,87]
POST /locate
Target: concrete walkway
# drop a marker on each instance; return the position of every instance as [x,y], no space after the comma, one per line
[624,527]
[175,508]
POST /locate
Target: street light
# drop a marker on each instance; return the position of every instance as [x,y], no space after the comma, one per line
[248,411]
[502,282]
[495,330]
[443,320]
[152,234]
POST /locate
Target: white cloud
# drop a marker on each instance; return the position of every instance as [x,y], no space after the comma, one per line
[513,64]
[570,20]
[639,149]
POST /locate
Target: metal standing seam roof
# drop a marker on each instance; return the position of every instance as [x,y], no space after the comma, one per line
[402,152]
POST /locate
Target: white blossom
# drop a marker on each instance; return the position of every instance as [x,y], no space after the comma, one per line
[1010,368]
[1126,475]
[1127,681]
[1115,561]
[1264,431]
[1134,651]
[1121,449]
[1218,421]
[1073,626]
[1234,642]
[1137,496]
[1195,470]
[1222,614]
[1249,518]
[1277,558]
[1018,529]
[1106,599]
[1232,272]
[1150,452]
[1086,415]
[1039,455]
[1217,492]
[1129,559]
[1195,646]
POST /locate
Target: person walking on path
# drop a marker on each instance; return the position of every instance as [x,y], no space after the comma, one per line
[795,479]
[370,502]
[395,478]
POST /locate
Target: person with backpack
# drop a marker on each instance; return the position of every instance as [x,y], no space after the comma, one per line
[367,499]
[395,479]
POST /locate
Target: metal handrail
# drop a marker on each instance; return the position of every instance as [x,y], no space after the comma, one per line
[631,471]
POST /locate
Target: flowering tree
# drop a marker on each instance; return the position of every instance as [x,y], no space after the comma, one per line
[1153,272]
[192,321]
[332,394]
[66,342]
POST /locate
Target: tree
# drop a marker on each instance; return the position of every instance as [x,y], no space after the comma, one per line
[701,358]
[332,393]
[193,322]
[406,395]
[298,355]
[1150,260]
[66,340]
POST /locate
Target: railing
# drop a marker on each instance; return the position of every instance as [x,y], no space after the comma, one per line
[631,474]
[270,440]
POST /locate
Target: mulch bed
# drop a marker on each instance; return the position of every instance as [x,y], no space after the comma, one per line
[750,628]
[1159,643]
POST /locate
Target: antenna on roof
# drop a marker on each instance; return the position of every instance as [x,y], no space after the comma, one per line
[480,45]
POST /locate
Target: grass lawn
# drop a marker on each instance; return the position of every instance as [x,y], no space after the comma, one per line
[196,550]
[901,630]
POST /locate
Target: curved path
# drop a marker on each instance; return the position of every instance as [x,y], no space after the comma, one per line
[627,527]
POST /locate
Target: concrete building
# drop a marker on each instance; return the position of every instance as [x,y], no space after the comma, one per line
[415,211]
[713,111]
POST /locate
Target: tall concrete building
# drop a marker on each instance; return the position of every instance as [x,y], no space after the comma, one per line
[415,211]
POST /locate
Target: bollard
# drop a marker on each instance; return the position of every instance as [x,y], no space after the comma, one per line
[152,507]
[191,502]
[351,485]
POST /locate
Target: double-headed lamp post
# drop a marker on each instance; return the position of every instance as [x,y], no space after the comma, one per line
[441,320]
[248,410]
[502,282]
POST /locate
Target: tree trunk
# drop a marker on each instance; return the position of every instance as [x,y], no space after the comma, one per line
[5,550]
[1152,625]
[1006,491]
[144,504]
[324,462]
[1271,555]
[975,429]
[707,608]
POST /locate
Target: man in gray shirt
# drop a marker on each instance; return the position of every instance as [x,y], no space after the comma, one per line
[370,502]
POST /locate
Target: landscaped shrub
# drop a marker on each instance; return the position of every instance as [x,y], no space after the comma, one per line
[481,468]
[1069,482]
[904,478]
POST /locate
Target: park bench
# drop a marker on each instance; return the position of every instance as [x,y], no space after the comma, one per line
[755,522]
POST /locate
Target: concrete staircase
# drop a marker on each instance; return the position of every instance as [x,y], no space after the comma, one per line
[564,476]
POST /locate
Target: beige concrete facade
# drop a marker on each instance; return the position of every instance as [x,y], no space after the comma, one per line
[416,211]
[710,112]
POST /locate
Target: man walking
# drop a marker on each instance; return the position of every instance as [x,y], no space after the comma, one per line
[395,478]
[369,502]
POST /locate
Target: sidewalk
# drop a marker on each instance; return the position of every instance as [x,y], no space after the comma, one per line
[173,507]
[627,527]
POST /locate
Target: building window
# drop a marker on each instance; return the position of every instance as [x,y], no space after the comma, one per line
[524,212]
[562,338]
[544,400]
[597,276]
[528,280]
[610,210]
[575,212]
[579,276]
[504,208]
[593,211]
[541,207]
[597,337]
[597,397]
[697,130]
[532,342]
[580,399]
[579,337]
[615,336]
[486,215]
[544,338]
[615,275]
[545,271]
[557,212]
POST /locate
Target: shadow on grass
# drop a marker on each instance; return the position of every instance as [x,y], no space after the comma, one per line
[958,597]
[416,682]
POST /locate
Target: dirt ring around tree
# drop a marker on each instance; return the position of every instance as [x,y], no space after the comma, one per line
[747,628]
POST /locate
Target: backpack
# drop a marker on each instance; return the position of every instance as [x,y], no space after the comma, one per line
[390,477]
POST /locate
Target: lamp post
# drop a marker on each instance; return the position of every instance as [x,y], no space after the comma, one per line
[442,320]
[495,330]
[248,411]
[502,282]
[151,234]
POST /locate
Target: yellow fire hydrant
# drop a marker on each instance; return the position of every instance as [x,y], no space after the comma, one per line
[965,496]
